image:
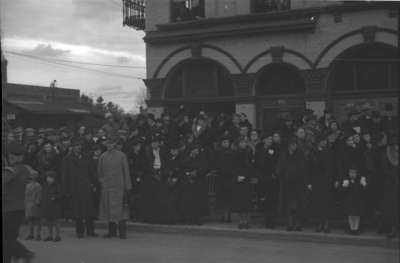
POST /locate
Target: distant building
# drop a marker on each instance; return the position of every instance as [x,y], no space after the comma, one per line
[269,58]
[37,106]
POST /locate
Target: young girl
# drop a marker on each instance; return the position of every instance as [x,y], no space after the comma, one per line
[51,209]
[33,192]
[354,185]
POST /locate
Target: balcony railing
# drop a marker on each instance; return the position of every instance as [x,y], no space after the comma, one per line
[263,6]
[134,14]
[184,10]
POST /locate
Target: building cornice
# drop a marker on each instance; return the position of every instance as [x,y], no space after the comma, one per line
[157,37]
[295,19]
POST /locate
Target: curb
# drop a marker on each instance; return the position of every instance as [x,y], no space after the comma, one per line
[258,233]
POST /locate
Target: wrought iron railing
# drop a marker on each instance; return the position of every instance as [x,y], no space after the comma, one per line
[134,13]
[184,10]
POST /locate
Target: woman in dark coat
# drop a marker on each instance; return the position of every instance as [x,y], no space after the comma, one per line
[293,176]
[193,201]
[153,202]
[79,183]
[322,180]
[223,164]
[390,164]
[265,162]
[137,167]
[244,172]
[353,186]
[171,180]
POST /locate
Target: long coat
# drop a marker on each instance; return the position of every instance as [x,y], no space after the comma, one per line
[223,163]
[322,180]
[113,174]
[293,179]
[50,207]
[79,184]
[33,196]
[391,192]
[193,199]
[243,189]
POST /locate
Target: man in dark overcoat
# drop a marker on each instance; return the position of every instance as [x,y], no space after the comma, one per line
[293,178]
[266,158]
[193,203]
[78,182]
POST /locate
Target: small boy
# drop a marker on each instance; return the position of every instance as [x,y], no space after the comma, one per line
[50,206]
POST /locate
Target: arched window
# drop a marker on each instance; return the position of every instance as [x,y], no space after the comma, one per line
[279,78]
[365,67]
[198,78]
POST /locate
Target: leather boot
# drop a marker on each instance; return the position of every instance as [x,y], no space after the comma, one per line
[112,230]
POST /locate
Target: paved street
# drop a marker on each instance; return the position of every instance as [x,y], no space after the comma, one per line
[176,248]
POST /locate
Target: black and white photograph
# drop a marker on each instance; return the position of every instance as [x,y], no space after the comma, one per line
[200,131]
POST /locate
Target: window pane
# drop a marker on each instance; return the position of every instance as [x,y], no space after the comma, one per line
[372,75]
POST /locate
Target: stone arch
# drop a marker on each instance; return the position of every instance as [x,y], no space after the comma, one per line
[287,55]
[220,69]
[228,58]
[352,38]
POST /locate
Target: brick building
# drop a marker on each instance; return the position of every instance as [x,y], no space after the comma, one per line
[42,107]
[269,58]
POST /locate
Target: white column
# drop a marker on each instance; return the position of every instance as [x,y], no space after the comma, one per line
[317,106]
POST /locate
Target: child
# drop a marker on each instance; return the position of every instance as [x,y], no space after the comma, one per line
[50,206]
[354,185]
[33,192]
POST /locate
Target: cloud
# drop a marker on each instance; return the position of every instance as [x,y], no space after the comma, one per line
[123,60]
[47,51]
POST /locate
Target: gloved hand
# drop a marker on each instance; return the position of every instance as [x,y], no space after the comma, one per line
[346,183]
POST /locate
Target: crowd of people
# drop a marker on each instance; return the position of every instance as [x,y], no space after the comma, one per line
[161,170]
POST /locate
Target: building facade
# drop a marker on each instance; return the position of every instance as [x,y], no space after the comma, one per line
[271,58]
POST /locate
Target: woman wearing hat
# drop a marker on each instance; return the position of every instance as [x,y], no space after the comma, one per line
[322,181]
[193,203]
[265,162]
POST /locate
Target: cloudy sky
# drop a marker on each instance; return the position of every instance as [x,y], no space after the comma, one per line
[88,31]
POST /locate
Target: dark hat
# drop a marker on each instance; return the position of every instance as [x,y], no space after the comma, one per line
[76,141]
[112,139]
[175,145]
[15,148]
[292,140]
[375,114]
[156,137]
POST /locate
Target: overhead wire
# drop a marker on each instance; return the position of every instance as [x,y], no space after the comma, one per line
[76,62]
[74,66]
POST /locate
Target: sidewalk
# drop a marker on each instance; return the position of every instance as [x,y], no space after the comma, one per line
[337,236]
